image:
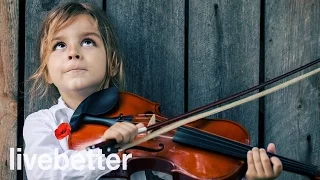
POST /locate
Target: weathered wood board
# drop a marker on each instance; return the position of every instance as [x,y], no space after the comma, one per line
[292,115]
[224,56]
[9,18]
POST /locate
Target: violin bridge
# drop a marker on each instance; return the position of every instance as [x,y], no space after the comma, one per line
[151,122]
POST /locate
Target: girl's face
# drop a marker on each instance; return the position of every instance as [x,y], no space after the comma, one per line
[77,62]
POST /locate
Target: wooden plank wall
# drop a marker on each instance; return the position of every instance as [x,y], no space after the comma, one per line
[187,53]
[292,115]
[9,17]
[224,56]
[151,37]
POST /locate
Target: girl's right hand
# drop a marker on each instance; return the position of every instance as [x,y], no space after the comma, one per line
[122,132]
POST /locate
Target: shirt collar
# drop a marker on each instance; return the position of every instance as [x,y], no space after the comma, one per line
[61,106]
[62,103]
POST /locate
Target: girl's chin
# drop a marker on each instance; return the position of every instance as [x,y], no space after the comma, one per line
[81,90]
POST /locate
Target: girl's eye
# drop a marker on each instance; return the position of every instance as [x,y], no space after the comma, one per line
[59,45]
[88,42]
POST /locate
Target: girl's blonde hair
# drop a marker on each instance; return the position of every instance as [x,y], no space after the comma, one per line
[62,16]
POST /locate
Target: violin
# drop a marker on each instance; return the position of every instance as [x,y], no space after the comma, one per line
[199,149]
[165,153]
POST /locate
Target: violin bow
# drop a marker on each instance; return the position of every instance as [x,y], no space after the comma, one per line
[190,119]
[113,147]
[306,169]
[234,96]
[91,117]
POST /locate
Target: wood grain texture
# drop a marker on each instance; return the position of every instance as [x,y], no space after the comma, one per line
[224,56]
[9,18]
[292,115]
[151,36]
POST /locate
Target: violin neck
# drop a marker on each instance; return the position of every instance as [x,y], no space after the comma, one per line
[194,137]
[297,167]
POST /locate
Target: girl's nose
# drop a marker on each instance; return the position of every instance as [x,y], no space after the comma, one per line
[74,54]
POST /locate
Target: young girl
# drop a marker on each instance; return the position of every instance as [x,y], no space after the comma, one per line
[79,56]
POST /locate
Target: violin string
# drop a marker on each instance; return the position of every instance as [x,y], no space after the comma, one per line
[226,146]
[236,145]
[208,141]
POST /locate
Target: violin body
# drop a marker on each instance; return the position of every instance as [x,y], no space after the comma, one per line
[163,153]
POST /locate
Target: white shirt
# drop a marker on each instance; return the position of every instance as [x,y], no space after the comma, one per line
[39,137]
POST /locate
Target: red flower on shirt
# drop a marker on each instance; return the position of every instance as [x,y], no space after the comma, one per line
[62,131]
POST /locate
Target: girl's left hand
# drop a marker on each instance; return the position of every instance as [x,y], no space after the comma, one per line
[260,166]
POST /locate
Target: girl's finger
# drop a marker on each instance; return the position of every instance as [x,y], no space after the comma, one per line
[127,131]
[257,162]
[266,164]
[132,130]
[251,168]
[271,148]
[277,166]
[112,133]
[140,125]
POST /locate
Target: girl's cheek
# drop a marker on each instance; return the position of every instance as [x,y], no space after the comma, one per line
[56,55]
